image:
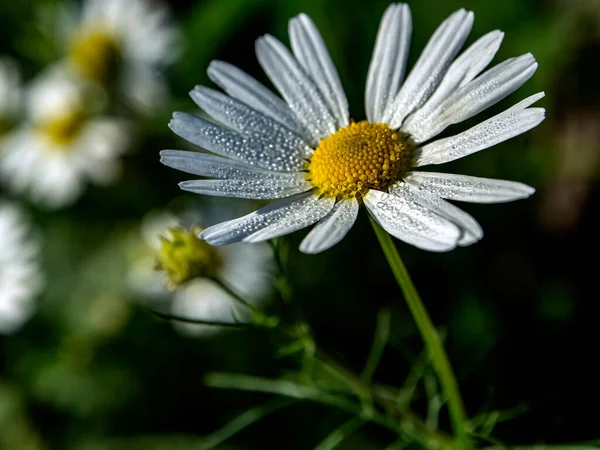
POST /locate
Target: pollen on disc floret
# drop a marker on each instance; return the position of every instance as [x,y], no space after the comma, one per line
[360,157]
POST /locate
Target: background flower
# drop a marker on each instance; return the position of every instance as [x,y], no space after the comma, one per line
[20,277]
[247,270]
[121,45]
[62,145]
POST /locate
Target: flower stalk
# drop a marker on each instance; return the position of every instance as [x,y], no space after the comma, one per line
[429,334]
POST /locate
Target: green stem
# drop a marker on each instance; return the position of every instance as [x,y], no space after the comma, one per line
[430,336]
[340,434]
[279,248]
[237,297]
[243,421]
[411,426]
[194,321]
[375,392]
[258,318]
[382,334]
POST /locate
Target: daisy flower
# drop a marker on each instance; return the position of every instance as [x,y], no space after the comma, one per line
[62,144]
[305,152]
[10,95]
[121,44]
[20,278]
[179,270]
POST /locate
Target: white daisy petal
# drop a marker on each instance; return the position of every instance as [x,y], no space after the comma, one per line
[499,128]
[469,189]
[251,123]
[264,188]
[295,220]
[296,87]
[332,228]
[431,67]
[233,145]
[411,222]
[481,93]
[303,209]
[239,85]
[207,165]
[388,63]
[311,52]
[471,230]
[470,63]
[525,103]
[466,67]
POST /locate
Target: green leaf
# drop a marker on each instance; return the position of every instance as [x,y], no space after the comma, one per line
[337,436]
[242,421]
[382,334]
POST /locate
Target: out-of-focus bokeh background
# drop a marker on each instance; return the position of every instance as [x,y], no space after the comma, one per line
[85,366]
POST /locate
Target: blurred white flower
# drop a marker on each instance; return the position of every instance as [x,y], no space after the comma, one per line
[174,257]
[62,144]
[20,278]
[10,94]
[121,44]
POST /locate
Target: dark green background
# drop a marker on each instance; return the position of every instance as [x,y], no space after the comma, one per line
[517,307]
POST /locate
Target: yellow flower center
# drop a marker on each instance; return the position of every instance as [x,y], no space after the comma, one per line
[96,54]
[184,257]
[64,128]
[360,157]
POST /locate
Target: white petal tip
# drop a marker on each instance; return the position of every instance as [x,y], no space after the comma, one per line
[438,249]
[177,118]
[197,89]
[312,248]
[528,191]
[215,243]
[308,251]
[467,238]
[212,238]
[214,68]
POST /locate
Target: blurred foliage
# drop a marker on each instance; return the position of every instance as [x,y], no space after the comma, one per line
[93,371]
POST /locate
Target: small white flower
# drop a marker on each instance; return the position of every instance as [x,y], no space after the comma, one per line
[306,151]
[190,265]
[10,95]
[20,278]
[61,145]
[121,44]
